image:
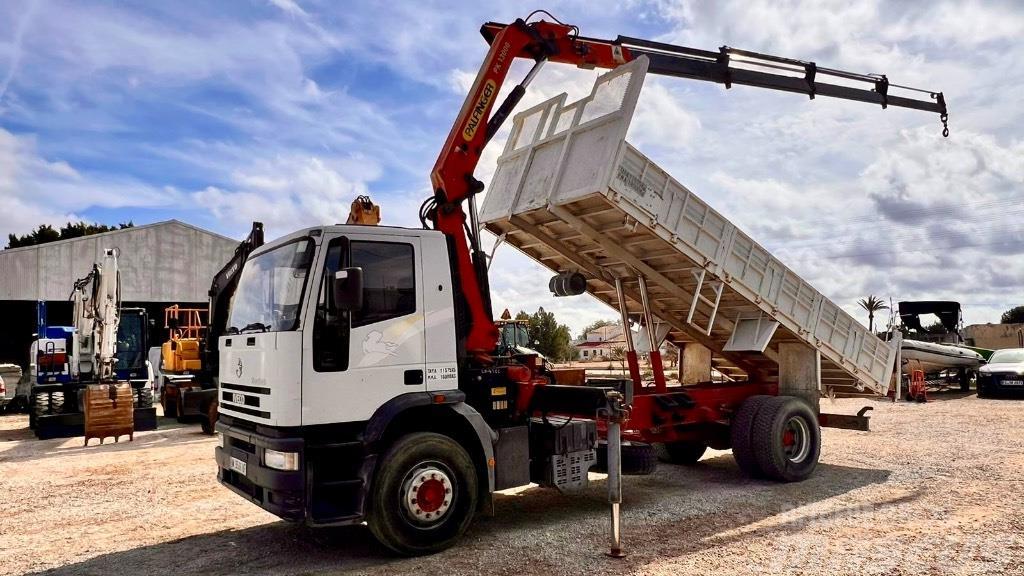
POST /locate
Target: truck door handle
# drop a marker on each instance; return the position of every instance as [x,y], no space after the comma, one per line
[413,377]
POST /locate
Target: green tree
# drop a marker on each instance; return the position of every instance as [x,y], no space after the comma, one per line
[547,336]
[872,305]
[45,233]
[1013,316]
[595,325]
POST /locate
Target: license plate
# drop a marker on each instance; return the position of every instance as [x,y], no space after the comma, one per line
[238,466]
[238,398]
[1013,382]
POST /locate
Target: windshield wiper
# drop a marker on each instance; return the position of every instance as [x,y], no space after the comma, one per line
[256,326]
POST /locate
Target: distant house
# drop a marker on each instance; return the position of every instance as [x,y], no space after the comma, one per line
[600,344]
[995,336]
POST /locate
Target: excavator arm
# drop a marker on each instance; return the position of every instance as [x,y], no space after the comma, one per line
[541,41]
[222,288]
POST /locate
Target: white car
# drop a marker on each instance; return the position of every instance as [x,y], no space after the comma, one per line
[1003,373]
[10,374]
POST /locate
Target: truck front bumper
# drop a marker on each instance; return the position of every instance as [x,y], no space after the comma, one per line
[240,467]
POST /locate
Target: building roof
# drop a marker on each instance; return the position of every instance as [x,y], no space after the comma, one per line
[168,261]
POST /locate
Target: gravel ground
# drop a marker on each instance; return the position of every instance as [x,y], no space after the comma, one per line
[933,489]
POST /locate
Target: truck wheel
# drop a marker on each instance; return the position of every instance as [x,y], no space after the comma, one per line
[787,439]
[638,458]
[424,495]
[741,433]
[683,453]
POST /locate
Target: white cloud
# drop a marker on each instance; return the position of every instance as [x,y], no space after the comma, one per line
[288,193]
[35,190]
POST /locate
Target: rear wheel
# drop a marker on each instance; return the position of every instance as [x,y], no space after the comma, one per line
[787,439]
[965,379]
[638,458]
[424,495]
[741,431]
[683,453]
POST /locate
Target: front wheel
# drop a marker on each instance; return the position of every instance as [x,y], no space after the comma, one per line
[424,495]
[682,453]
[170,407]
[209,421]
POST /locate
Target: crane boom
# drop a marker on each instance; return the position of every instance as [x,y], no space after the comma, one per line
[453,174]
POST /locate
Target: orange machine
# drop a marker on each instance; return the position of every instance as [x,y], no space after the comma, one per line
[187,328]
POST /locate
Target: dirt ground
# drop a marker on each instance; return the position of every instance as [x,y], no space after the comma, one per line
[932,489]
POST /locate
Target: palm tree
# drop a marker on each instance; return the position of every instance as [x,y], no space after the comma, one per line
[872,305]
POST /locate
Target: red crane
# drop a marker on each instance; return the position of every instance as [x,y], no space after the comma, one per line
[453,175]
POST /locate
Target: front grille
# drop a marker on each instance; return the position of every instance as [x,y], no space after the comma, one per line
[234,442]
[249,411]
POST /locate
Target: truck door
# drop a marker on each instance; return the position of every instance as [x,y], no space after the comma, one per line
[360,359]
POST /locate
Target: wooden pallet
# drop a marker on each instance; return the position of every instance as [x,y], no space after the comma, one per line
[109,412]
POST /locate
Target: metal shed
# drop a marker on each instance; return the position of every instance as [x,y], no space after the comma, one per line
[161,264]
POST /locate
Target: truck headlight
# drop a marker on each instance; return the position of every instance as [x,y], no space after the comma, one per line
[281,460]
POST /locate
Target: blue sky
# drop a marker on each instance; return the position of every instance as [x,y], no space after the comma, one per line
[220,113]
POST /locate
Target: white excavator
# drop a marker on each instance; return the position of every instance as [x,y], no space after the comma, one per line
[68,358]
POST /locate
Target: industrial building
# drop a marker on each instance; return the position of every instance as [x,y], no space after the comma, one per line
[995,336]
[161,264]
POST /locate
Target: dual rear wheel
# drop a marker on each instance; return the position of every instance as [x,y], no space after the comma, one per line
[776,437]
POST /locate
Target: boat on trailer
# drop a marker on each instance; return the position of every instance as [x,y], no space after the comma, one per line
[932,357]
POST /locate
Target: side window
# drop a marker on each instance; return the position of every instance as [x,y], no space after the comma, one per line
[389,280]
[330,329]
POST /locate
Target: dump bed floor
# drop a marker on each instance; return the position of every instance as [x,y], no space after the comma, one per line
[572,194]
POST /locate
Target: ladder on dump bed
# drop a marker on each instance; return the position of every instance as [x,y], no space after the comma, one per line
[574,195]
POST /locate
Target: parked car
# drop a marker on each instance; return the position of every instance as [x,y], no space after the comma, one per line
[10,374]
[1003,373]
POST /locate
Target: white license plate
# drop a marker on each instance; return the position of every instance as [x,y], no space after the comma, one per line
[238,398]
[1013,382]
[238,466]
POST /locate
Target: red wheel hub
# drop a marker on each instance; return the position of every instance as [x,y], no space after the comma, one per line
[431,495]
[788,438]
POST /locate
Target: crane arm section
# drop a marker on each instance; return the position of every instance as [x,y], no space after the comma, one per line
[453,174]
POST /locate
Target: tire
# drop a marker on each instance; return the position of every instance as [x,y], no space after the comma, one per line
[741,432]
[144,397]
[638,458]
[170,409]
[682,453]
[787,439]
[984,391]
[56,402]
[402,524]
[965,379]
[209,418]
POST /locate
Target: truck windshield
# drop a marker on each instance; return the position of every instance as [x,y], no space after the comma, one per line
[270,288]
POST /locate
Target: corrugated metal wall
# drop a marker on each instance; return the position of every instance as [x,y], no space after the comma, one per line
[163,262]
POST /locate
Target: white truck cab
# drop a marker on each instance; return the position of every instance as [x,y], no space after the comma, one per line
[339,338]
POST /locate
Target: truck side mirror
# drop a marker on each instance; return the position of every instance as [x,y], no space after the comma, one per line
[348,289]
